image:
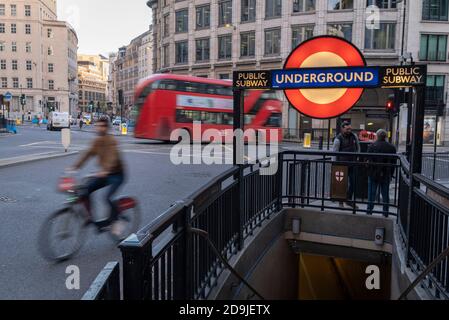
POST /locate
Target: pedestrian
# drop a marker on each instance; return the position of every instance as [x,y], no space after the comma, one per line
[347,141]
[380,172]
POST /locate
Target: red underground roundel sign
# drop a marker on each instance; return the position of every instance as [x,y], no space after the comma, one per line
[323,52]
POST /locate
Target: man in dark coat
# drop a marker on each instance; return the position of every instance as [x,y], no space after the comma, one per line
[347,141]
[380,175]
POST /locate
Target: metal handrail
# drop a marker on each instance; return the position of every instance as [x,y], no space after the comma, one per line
[205,236]
[425,273]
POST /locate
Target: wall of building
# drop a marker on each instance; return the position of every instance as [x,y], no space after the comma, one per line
[64,43]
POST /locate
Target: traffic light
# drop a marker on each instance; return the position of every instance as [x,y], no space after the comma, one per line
[392,105]
[23,100]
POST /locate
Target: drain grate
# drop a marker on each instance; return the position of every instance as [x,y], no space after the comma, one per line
[7,199]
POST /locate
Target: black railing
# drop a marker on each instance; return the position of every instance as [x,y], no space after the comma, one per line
[436,166]
[166,261]
[172,258]
[308,180]
[425,229]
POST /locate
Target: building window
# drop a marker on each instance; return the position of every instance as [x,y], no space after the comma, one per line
[182,54]
[166,25]
[182,20]
[225,47]
[15,83]
[342,30]
[13,10]
[2,46]
[14,64]
[224,76]
[14,46]
[436,10]
[382,38]
[2,9]
[225,13]
[202,49]
[340,4]
[13,28]
[51,67]
[2,28]
[28,29]
[2,64]
[382,4]
[248,44]
[272,41]
[29,65]
[301,34]
[29,83]
[166,54]
[51,85]
[273,8]
[4,82]
[248,10]
[49,33]
[28,47]
[303,6]
[433,47]
[27,11]
[435,89]
[203,17]
[50,51]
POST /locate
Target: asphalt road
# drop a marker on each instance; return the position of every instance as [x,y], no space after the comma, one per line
[28,195]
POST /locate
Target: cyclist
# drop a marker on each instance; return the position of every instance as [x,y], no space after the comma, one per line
[105,148]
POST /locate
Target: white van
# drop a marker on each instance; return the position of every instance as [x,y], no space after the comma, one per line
[58,120]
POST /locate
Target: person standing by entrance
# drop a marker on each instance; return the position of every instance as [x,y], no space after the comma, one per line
[379,175]
[347,141]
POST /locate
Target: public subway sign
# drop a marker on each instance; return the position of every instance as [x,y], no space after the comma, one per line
[325,77]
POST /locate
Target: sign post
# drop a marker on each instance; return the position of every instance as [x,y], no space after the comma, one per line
[65,139]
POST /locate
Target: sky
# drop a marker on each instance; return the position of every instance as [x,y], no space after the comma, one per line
[103,26]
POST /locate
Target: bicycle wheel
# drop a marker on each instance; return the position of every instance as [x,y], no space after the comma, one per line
[62,235]
[128,220]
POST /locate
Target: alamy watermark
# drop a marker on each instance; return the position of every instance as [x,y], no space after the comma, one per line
[73,280]
[263,147]
[372,17]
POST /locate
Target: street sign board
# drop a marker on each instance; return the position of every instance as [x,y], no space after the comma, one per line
[324,77]
[7,97]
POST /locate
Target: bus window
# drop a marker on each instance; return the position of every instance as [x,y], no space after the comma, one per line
[167,85]
[224,91]
[274,121]
[228,119]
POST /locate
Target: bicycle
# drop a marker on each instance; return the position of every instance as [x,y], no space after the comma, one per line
[63,233]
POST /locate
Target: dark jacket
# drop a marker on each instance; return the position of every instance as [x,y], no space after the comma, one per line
[348,143]
[381,173]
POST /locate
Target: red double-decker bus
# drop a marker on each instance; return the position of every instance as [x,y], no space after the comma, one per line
[166,102]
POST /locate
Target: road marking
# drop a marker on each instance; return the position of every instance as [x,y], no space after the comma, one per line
[232,150]
[36,143]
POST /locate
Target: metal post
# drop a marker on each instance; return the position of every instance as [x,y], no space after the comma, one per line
[239,100]
[409,123]
[416,153]
[435,147]
[329,135]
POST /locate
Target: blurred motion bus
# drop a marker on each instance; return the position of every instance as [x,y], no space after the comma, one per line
[166,102]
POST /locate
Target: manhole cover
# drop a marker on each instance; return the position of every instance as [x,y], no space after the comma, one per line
[7,200]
